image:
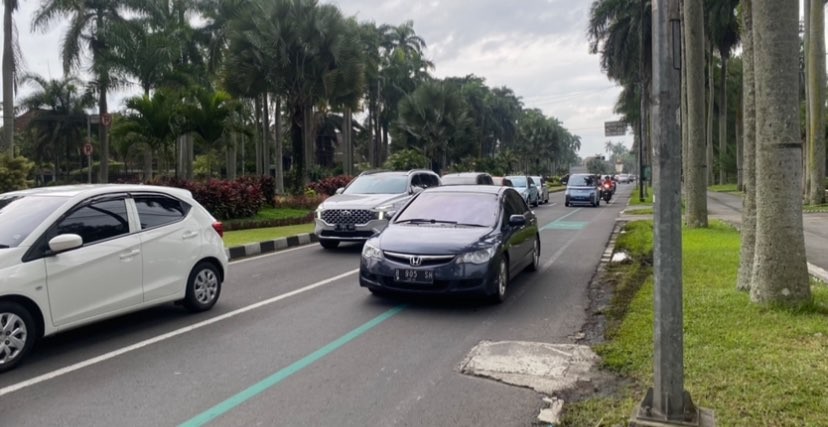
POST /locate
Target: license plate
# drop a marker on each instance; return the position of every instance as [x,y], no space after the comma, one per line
[345,227]
[423,277]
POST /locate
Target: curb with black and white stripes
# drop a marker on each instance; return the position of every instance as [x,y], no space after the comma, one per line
[260,248]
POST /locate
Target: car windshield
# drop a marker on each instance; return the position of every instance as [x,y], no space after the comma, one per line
[581,181]
[471,209]
[537,180]
[378,184]
[458,180]
[517,181]
[19,215]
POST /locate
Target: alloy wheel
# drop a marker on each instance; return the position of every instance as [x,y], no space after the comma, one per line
[205,286]
[13,337]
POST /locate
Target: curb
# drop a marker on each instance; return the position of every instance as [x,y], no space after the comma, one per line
[260,248]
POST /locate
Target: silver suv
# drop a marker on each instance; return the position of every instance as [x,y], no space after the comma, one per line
[362,209]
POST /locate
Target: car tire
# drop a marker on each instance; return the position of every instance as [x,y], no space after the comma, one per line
[502,283]
[329,244]
[203,287]
[536,249]
[19,333]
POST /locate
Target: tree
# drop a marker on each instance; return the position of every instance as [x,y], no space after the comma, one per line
[150,120]
[816,103]
[748,242]
[11,59]
[90,23]
[780,274]
[695,173]
[723,30]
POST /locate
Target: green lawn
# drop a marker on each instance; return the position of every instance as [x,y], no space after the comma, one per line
[753,366]
[815,208]
[241,237]
[724,188]
[635,199]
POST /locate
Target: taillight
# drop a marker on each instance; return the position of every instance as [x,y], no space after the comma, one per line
[219,227]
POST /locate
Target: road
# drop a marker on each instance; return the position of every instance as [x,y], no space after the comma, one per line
[294,341]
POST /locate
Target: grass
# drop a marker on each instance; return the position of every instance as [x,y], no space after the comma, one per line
[635,200]
[753,365]
[270,217]
[724,188]
[556,188]
[241,237]
[815,208]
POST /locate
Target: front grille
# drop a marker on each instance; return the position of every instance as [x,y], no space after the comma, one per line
[424,260]
[347,234]
[348,216]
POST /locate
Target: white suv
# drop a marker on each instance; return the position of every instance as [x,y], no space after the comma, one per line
[77,254]
[362,209]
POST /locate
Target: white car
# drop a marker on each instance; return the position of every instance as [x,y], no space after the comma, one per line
[73,255]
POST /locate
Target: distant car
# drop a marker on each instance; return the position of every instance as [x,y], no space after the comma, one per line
[499,180]
[583,188]
[527,188]
[543,191]
[362,209]
[623,178]
[454,240]
[71,255]
[467,178]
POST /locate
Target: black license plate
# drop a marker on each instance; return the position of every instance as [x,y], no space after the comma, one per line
[421,277]
[345,227]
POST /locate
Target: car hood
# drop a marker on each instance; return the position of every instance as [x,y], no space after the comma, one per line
[361,201]
[11,256]
[433,239]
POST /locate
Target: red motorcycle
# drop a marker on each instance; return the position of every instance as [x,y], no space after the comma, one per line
[606,191]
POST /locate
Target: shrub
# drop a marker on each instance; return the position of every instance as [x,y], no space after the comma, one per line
[303,201]
[328,186]
[266,183]
[225,200]
[13,173]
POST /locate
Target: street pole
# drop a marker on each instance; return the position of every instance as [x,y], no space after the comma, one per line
[88,156]
[642,104]
[667,403]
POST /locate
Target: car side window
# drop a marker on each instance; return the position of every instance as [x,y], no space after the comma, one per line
[96,221]
[417,181]
[513,205]
[157,210]
[431,180]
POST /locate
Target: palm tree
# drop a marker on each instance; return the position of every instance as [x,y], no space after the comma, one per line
[90,23]
[816,103]
[695,171]
[723,30]
[11,59]
[748,230]
[61,121]
[780,274]
[149,119]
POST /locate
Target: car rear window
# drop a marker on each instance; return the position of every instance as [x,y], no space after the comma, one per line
[518,181]
[581,181]
[378,184]
[156,211]
[19,216]
[463,208]
[458,180]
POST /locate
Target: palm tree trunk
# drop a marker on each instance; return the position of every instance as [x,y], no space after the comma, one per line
[309,140]
[297,145]
[232,156]
[258,148]
[695,179]
[8,79]
[348,145]
[723,120]
[816,103]
[372,148]
[147,163]
[265,135]
[806,177]
[710,92]
[780,274]
[103,134]
[278,161]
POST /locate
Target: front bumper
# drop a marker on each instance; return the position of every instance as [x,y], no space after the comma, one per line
[452,278]
[581,198]
[349,233]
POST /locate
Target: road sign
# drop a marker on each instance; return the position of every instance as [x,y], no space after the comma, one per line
[87,149]
[615,128]
[106,119]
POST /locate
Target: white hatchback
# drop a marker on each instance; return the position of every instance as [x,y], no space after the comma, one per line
[73,255]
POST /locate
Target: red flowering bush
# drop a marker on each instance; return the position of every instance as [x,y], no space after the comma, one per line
[241,198]
[304,201]
[329,185]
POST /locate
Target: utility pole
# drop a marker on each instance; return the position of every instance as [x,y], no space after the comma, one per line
[667,403]
[642,103]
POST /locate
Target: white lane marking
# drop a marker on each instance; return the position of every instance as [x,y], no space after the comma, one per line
[104,357]
[283,251]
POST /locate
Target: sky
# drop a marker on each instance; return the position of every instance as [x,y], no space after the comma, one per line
[538,48]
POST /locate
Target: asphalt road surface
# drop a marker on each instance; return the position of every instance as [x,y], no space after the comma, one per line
[294,341]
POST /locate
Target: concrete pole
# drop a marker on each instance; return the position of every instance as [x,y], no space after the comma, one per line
[667,403]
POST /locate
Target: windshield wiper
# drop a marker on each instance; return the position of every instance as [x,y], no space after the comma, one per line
[2,246]
[424,221]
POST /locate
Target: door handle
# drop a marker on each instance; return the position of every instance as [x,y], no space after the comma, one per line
[130,254]
[189,234]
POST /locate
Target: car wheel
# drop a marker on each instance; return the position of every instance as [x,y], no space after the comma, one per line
[535,265]
[18,333]
[502,282]
[329,244]
[203,287]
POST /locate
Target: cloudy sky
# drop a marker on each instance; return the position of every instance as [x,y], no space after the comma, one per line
[536,47]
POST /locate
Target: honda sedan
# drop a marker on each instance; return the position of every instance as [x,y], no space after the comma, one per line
[77,254]
[461,239]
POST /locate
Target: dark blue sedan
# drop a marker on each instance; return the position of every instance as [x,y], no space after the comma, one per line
[454,240]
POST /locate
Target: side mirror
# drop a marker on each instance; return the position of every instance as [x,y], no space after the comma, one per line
[65,242]
[340,190]
[416,190]
[517,220]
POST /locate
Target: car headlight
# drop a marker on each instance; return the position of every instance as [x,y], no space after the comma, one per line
[370,251]
[389,210]
[318,212]
[480,256]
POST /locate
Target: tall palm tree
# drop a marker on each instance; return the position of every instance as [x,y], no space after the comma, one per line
[780,274]
[90,24]
[11,60]
[816,103]
[696,168]
[748,230]
[149,119]
[723,30]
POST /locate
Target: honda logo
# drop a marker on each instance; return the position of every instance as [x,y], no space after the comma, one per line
[415,261]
